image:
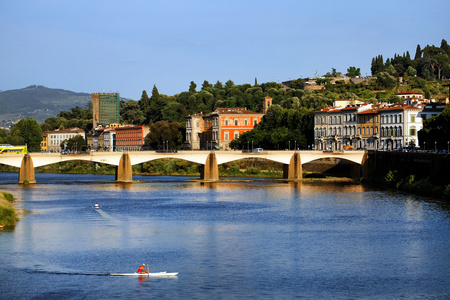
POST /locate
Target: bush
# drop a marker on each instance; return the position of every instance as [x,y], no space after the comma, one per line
[7,196]
[391,178]
[8,215]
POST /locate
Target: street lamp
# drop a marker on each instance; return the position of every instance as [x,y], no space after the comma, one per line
[248,146]
[289,145]
[435,146]
[295,148]
[252,144]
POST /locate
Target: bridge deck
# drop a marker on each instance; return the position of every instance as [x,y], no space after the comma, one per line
[138,157]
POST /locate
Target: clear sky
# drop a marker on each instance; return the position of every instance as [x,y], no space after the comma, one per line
[129,46]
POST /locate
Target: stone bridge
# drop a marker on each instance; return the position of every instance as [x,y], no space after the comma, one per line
[209,160]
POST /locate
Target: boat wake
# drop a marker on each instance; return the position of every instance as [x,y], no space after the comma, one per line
[66,273]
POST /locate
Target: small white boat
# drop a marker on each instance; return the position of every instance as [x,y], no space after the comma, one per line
[96,206]
[159,274]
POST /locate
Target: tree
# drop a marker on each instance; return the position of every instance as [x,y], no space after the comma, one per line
[377,64]
[76,143]
[131,113]
[437,57]
[192,87]
[206,85]
[30,132]
[436,129]
[353,72]
[165,135]
[411,71]
[174,112]
[418,53]
[144,103]
[386,80]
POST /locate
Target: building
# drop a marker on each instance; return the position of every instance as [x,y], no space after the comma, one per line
[411,95]
[194,129]
[368,129]
[432,110]
[131,138]
[105,109]
[391,127]
[370,126]
[56,137]
[218,129]
[44,142]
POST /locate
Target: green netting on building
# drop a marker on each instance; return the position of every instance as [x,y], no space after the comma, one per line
[109,109]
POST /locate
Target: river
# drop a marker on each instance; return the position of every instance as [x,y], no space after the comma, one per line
[229,240]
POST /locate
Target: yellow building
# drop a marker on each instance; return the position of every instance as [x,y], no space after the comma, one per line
[44,143]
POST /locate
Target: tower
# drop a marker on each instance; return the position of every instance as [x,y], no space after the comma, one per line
[267,102]
[105,108]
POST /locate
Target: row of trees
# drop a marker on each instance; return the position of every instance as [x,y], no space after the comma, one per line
[430,63]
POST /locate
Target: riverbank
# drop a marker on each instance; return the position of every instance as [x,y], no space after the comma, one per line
[8,213]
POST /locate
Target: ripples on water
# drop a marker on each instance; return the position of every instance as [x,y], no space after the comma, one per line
[230,240]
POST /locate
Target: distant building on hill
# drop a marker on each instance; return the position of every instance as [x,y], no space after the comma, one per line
[105,108]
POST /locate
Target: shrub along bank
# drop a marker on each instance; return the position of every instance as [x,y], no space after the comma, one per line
[8,214]
[411,184]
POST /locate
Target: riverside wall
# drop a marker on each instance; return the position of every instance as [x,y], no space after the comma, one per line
[434,166]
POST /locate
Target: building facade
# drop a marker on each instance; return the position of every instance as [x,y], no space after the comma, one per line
[131,138]
[218,129]
[369,126]
[105,108]
[56,137]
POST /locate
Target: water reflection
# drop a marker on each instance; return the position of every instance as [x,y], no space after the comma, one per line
[251,239]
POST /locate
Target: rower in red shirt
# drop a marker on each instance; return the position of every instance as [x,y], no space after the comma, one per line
[142,269]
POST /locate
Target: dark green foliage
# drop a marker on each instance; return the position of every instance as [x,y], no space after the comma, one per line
[165,136]
[28,133]
[436,129]
[7,196]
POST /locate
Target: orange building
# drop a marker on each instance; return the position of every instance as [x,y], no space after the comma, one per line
[218,129]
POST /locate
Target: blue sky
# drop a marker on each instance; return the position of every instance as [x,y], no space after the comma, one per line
[129,46]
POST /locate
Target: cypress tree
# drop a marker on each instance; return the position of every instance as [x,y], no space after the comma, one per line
[418,53]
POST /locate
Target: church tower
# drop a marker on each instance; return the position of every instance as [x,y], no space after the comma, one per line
[267,102]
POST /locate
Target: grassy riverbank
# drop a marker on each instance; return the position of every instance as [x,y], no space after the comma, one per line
[8,214]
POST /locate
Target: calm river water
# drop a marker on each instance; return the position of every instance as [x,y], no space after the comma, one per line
[230,240]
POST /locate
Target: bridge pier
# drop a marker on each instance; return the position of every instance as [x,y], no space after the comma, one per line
[124,172]
[210,170]
[26,172]
[294,170]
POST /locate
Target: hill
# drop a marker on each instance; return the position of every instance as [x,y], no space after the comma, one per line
[38,102]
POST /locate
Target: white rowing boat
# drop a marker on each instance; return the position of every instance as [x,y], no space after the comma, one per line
[159,274]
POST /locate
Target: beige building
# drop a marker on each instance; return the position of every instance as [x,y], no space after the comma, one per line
[56,137]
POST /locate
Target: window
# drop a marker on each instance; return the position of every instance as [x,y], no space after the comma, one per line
[236,122]
[226,136]
[255,122]
[412,132]
[236,134]
[246,122]
[413,118]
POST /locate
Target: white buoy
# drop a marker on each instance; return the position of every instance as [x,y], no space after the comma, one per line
[97,206]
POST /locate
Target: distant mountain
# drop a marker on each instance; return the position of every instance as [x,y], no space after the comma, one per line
[38,102]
